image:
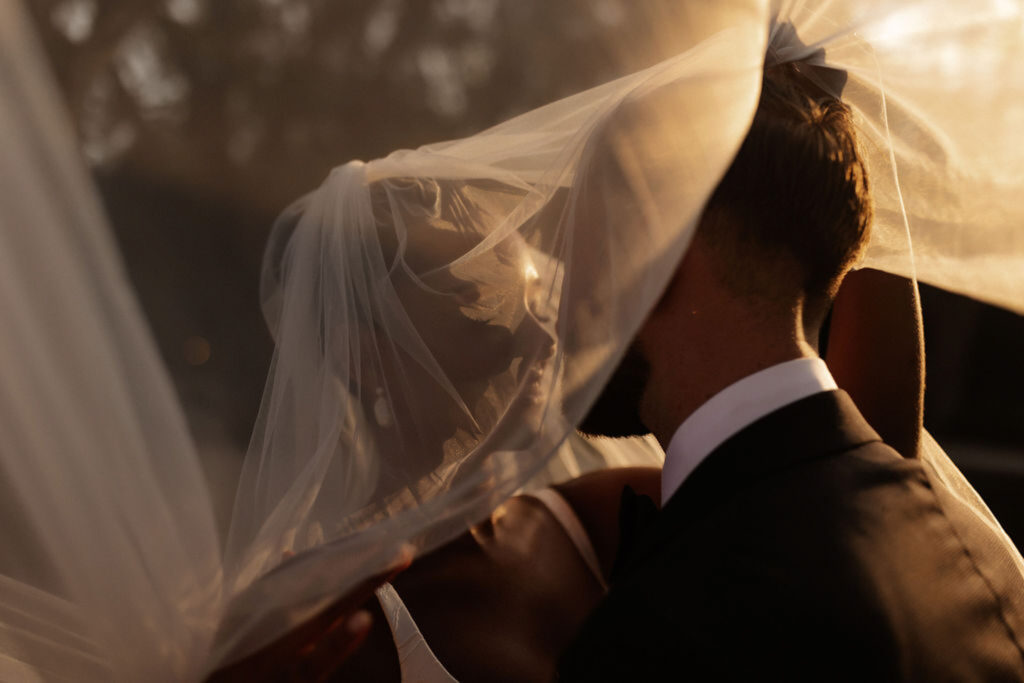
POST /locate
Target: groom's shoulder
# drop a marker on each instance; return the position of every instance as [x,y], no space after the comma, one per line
[860,536]
[839,506]
[817,562]
[804,530]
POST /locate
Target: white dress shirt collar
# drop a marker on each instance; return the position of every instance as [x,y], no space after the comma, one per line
[735,407]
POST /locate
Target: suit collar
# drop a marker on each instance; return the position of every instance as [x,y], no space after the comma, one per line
[821,425]
[735,407]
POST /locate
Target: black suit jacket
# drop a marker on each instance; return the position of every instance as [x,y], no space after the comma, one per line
[804,548]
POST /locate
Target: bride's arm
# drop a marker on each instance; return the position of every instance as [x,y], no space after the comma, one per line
[876,353]
[595,498]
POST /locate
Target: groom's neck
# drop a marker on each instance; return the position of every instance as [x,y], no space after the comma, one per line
[697,351]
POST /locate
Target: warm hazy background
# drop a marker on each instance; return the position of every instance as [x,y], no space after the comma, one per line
[202,119]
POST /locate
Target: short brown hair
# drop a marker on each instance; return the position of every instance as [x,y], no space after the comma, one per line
[798,188]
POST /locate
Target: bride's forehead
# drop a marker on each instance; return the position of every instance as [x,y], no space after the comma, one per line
[442,217]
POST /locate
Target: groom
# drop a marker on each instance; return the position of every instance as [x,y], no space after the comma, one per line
[793,544]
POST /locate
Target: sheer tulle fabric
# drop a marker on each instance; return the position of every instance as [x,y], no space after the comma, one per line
[110,556]
[443,318]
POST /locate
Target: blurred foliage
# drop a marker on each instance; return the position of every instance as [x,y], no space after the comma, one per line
[235,95]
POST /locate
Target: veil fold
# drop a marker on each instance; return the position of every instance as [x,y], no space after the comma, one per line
[443,318]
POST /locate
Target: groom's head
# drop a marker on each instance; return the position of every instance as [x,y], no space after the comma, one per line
[785,224]
[793,212]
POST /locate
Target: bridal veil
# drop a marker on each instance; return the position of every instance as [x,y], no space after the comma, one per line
[443,317]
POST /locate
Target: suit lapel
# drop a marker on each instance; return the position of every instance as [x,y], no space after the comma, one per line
[815,427]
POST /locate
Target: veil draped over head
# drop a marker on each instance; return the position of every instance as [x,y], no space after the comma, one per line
[443,317]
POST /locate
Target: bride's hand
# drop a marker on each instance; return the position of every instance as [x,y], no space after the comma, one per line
[314,650]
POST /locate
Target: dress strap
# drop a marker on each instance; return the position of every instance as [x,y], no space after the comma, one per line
[570,522]
[417,661]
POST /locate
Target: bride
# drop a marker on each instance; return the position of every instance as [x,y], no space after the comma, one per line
[418,382]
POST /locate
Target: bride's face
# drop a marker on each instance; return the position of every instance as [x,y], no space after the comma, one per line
[458,339]
[472,305]
[468,314]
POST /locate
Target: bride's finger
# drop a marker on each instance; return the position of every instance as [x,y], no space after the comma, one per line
[321,660]
[348,625]
[315,648]
[356,597]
